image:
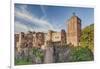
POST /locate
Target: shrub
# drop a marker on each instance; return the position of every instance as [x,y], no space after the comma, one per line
[81,54]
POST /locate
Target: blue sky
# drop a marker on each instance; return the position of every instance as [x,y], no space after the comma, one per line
[30,17]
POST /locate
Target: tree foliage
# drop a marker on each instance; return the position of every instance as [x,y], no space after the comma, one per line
[87,37]
[38,53]
[81,54]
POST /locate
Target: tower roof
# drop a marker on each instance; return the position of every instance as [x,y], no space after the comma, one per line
[74,15]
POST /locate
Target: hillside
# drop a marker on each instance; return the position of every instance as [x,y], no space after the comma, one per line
[87,37]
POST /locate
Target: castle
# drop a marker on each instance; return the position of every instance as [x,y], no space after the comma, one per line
[41,39]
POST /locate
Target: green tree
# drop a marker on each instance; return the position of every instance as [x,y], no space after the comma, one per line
[81,54]
[87,37]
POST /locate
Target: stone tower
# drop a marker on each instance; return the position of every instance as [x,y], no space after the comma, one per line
[74,30]
[63,37]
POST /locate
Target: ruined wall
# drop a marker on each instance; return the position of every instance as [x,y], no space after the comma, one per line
[49,58]
[56,36]
[56,53]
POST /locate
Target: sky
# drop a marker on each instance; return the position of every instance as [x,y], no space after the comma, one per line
[41,18]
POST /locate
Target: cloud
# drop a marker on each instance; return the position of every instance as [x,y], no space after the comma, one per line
[26,21]
[19,27]
[44,12]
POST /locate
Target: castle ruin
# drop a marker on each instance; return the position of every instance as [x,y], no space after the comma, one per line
[40,39]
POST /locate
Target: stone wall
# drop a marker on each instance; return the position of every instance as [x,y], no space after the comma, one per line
[49,58]
[56,53]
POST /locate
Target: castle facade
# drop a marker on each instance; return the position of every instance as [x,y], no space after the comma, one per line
[38,39]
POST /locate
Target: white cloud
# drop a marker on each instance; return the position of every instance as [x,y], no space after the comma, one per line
[32,22]
[44,12]
[19,27]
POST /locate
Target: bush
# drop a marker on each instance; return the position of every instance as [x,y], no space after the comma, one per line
[81,54]
[38,53]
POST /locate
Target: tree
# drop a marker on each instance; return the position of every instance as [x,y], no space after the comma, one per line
[81,54]
[87,37]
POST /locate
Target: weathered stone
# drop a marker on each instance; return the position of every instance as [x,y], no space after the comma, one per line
[49,58]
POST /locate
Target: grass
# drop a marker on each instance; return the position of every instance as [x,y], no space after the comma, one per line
[22,62]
